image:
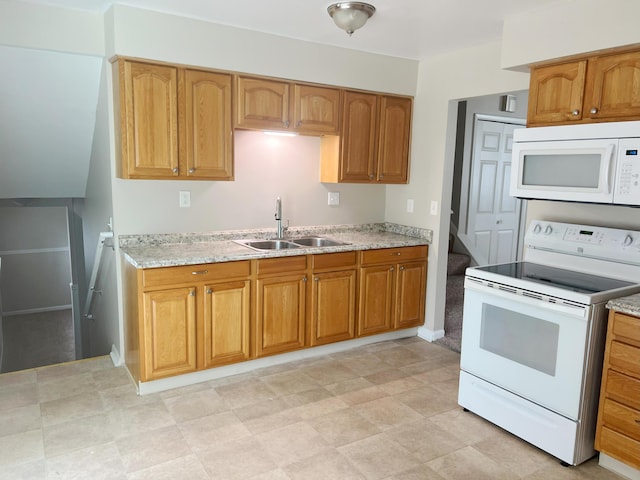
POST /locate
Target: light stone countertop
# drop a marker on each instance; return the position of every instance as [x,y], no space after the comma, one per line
[167,250]
[629,305]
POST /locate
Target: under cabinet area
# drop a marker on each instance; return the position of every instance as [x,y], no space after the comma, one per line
[597,88]
[188,318]
[618,427]
[174,122]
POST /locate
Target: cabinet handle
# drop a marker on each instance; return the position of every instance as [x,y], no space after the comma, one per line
[209,291]
[397,254]
[401,268]
[370,176]
[391,269]
[317,279]
[575,113]
[192,293]
[593,111]
[191,170]
[304,279]
[299,123]
[638,421]
[286,124]
[175,170]
[200,272]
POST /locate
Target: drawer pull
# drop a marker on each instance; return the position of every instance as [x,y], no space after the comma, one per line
[638,421]
[200,272]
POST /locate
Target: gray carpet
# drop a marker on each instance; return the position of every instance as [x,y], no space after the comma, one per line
[37,339]
[456,265]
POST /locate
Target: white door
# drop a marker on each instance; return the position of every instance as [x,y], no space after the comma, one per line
[493,216]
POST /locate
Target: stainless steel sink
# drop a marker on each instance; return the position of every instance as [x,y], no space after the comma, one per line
[316,242]
[267,244]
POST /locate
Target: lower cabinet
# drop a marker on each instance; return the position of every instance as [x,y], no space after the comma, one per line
[392,289]
[618,426]
[187,318]
[280,305]
[333,298]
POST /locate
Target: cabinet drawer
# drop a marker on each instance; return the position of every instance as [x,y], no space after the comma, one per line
[626,327]
[331,260]
[394,255]
[268,266]
[154,277]
[623,389]
[621,418]
[620,446]
[625,357]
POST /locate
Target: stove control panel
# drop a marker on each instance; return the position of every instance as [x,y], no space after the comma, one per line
[597,242]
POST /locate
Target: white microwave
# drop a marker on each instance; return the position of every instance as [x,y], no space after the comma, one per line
[596,163]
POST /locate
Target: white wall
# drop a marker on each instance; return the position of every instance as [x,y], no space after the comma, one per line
[568,28]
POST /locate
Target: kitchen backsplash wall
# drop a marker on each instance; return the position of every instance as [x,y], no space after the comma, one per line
[266,167]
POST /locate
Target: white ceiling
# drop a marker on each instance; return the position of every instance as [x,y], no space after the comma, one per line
[412,29]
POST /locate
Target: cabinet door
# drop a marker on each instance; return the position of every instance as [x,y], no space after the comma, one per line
[149,120]
[410,294]
[394,136]
[262,104]
[316,110]
[207,138]
[280,314]
[375,299]
[357,147]
[613,87]
[333,307]
[169,337]
[556,93]
[226,323]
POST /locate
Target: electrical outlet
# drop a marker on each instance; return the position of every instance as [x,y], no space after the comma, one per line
[410,205]
[185,199]
[434,207]
[334,198]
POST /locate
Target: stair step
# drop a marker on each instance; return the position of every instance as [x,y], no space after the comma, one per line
[457,263]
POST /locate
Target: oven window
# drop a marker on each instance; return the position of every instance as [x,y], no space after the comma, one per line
[578,170]
[520,338]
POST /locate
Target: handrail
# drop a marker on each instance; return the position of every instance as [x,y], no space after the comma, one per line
[94,273]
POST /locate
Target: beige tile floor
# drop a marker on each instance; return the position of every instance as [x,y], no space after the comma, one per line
[385,411]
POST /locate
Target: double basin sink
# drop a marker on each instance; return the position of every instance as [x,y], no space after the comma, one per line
[278,244]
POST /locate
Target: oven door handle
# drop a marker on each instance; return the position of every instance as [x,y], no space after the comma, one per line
[574,311]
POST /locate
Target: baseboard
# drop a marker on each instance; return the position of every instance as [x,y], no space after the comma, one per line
[115,356]
[611,464]
[430,335]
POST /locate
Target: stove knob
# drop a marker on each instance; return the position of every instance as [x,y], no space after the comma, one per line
[628,240]
[537,228]
[548,230]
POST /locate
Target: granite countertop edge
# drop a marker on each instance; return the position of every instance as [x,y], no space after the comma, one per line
[629,305]
[168,250]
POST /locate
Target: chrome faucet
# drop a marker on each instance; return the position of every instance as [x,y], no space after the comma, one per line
[278,216]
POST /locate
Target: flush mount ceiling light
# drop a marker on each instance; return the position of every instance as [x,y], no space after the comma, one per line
[350,16]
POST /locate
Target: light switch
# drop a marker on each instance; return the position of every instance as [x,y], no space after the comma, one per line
[410,205]
[185,199]
[434,207]
[334,198]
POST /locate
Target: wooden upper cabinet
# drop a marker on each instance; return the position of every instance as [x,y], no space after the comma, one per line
[208,132]
[394,139]
[613,87]
[174,122]
[374,143]
[598,88]
[316,110]
[262,103]
[556,93]
[148,120]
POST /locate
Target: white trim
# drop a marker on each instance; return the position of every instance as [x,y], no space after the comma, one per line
[115,356]
[35,250]
[37,310]
[430,335]
[605,461]
[155,386]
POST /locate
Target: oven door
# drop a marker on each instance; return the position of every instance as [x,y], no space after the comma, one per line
[527,346]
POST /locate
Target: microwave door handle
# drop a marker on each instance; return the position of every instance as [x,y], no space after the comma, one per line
[607,171]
